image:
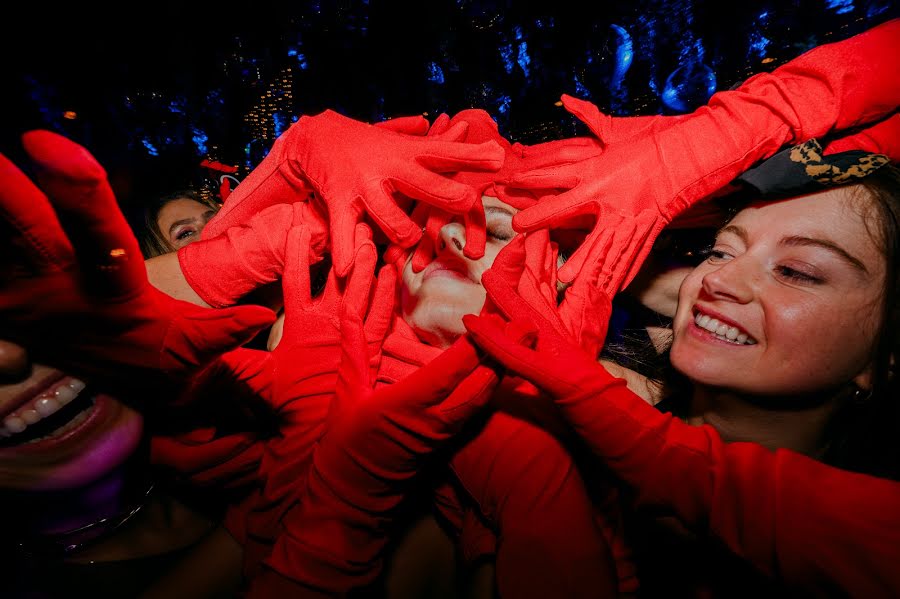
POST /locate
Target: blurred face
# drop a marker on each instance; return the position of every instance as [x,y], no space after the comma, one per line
[788,303]
[181,221]
[434,300]
[56,434]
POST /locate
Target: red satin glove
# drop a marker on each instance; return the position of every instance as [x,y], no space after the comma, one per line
[651,179]
[821,529]
[882,138]
[377,441]
[481,128]
[223,269]
[277,180]
[77,295]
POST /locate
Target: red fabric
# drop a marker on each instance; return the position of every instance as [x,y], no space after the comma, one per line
[882,138]
[223,269]
[376,442]
[652,178]
[77,295]
[823,530]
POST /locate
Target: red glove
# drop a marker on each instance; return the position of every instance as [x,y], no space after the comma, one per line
[80,299]
[882,138]
[817,527]
[376,443]
[277,180]
[223,269]
[517,157]
[651,179]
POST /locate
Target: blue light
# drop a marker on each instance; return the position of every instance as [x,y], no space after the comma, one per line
[624,53]
[580,90]
[301,61]
[435,73]
[840,6]
[292,52]
[506,54]
[151,149]
[280,121]
[199,138]
[176,106]
[758,44]
[505,101]
[524,60]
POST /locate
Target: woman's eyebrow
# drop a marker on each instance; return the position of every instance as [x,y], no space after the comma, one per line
[496,210]
[801,241]
[735,230]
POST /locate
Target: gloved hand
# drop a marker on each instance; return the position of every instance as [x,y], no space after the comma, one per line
[517,157]
[76,294]
[223,269]
[276,180]
[652,178]
[377,441]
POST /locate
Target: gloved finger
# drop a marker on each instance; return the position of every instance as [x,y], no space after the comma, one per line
[295,281]
[28,211]
[589,114]
[510,262]
[558,152]
[565,176]
[359,281]
[469,397]
[382,208]
[353,382]
[476,231]
[439,191]
[342,229]
[445,156]
[77,186]
[408,125]
[221,331]
[378,319]
[444,131]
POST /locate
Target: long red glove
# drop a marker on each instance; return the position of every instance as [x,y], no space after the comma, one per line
[223,269]
[377,441]
[77,295]
[818,528]
[651,179]
[357,168]
[881,138]
[277,180]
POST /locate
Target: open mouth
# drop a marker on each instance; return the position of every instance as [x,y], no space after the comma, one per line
[723,331]
[56,411]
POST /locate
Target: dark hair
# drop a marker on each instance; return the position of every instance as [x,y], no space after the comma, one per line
[153,242]
[866,432]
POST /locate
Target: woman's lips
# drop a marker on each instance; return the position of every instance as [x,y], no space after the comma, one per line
[454,269]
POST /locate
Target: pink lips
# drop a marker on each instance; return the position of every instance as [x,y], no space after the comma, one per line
[447,267]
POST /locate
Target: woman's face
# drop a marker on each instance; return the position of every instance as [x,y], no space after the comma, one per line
[434,300]
[54,433]
[788,301]
[181,221]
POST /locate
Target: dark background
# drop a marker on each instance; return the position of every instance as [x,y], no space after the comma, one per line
[152,89]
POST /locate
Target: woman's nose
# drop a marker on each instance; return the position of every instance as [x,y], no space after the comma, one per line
[452,238]
[731,281]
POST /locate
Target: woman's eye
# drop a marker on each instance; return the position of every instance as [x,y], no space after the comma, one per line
[715,255]
[501,231]
[184,234]
[797,276]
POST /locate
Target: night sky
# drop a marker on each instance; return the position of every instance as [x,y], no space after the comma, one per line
[164,85]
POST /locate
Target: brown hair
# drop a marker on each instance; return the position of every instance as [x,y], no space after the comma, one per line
[152,241]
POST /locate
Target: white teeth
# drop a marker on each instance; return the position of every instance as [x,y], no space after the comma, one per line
[46,406]
[77,385]
[65,394]
[30,416]
[722,330]
[14,424]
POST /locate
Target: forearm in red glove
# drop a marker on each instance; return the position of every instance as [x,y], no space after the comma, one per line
[816,527]
[651,179]
[223,269]
[77,294]
[377,441]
